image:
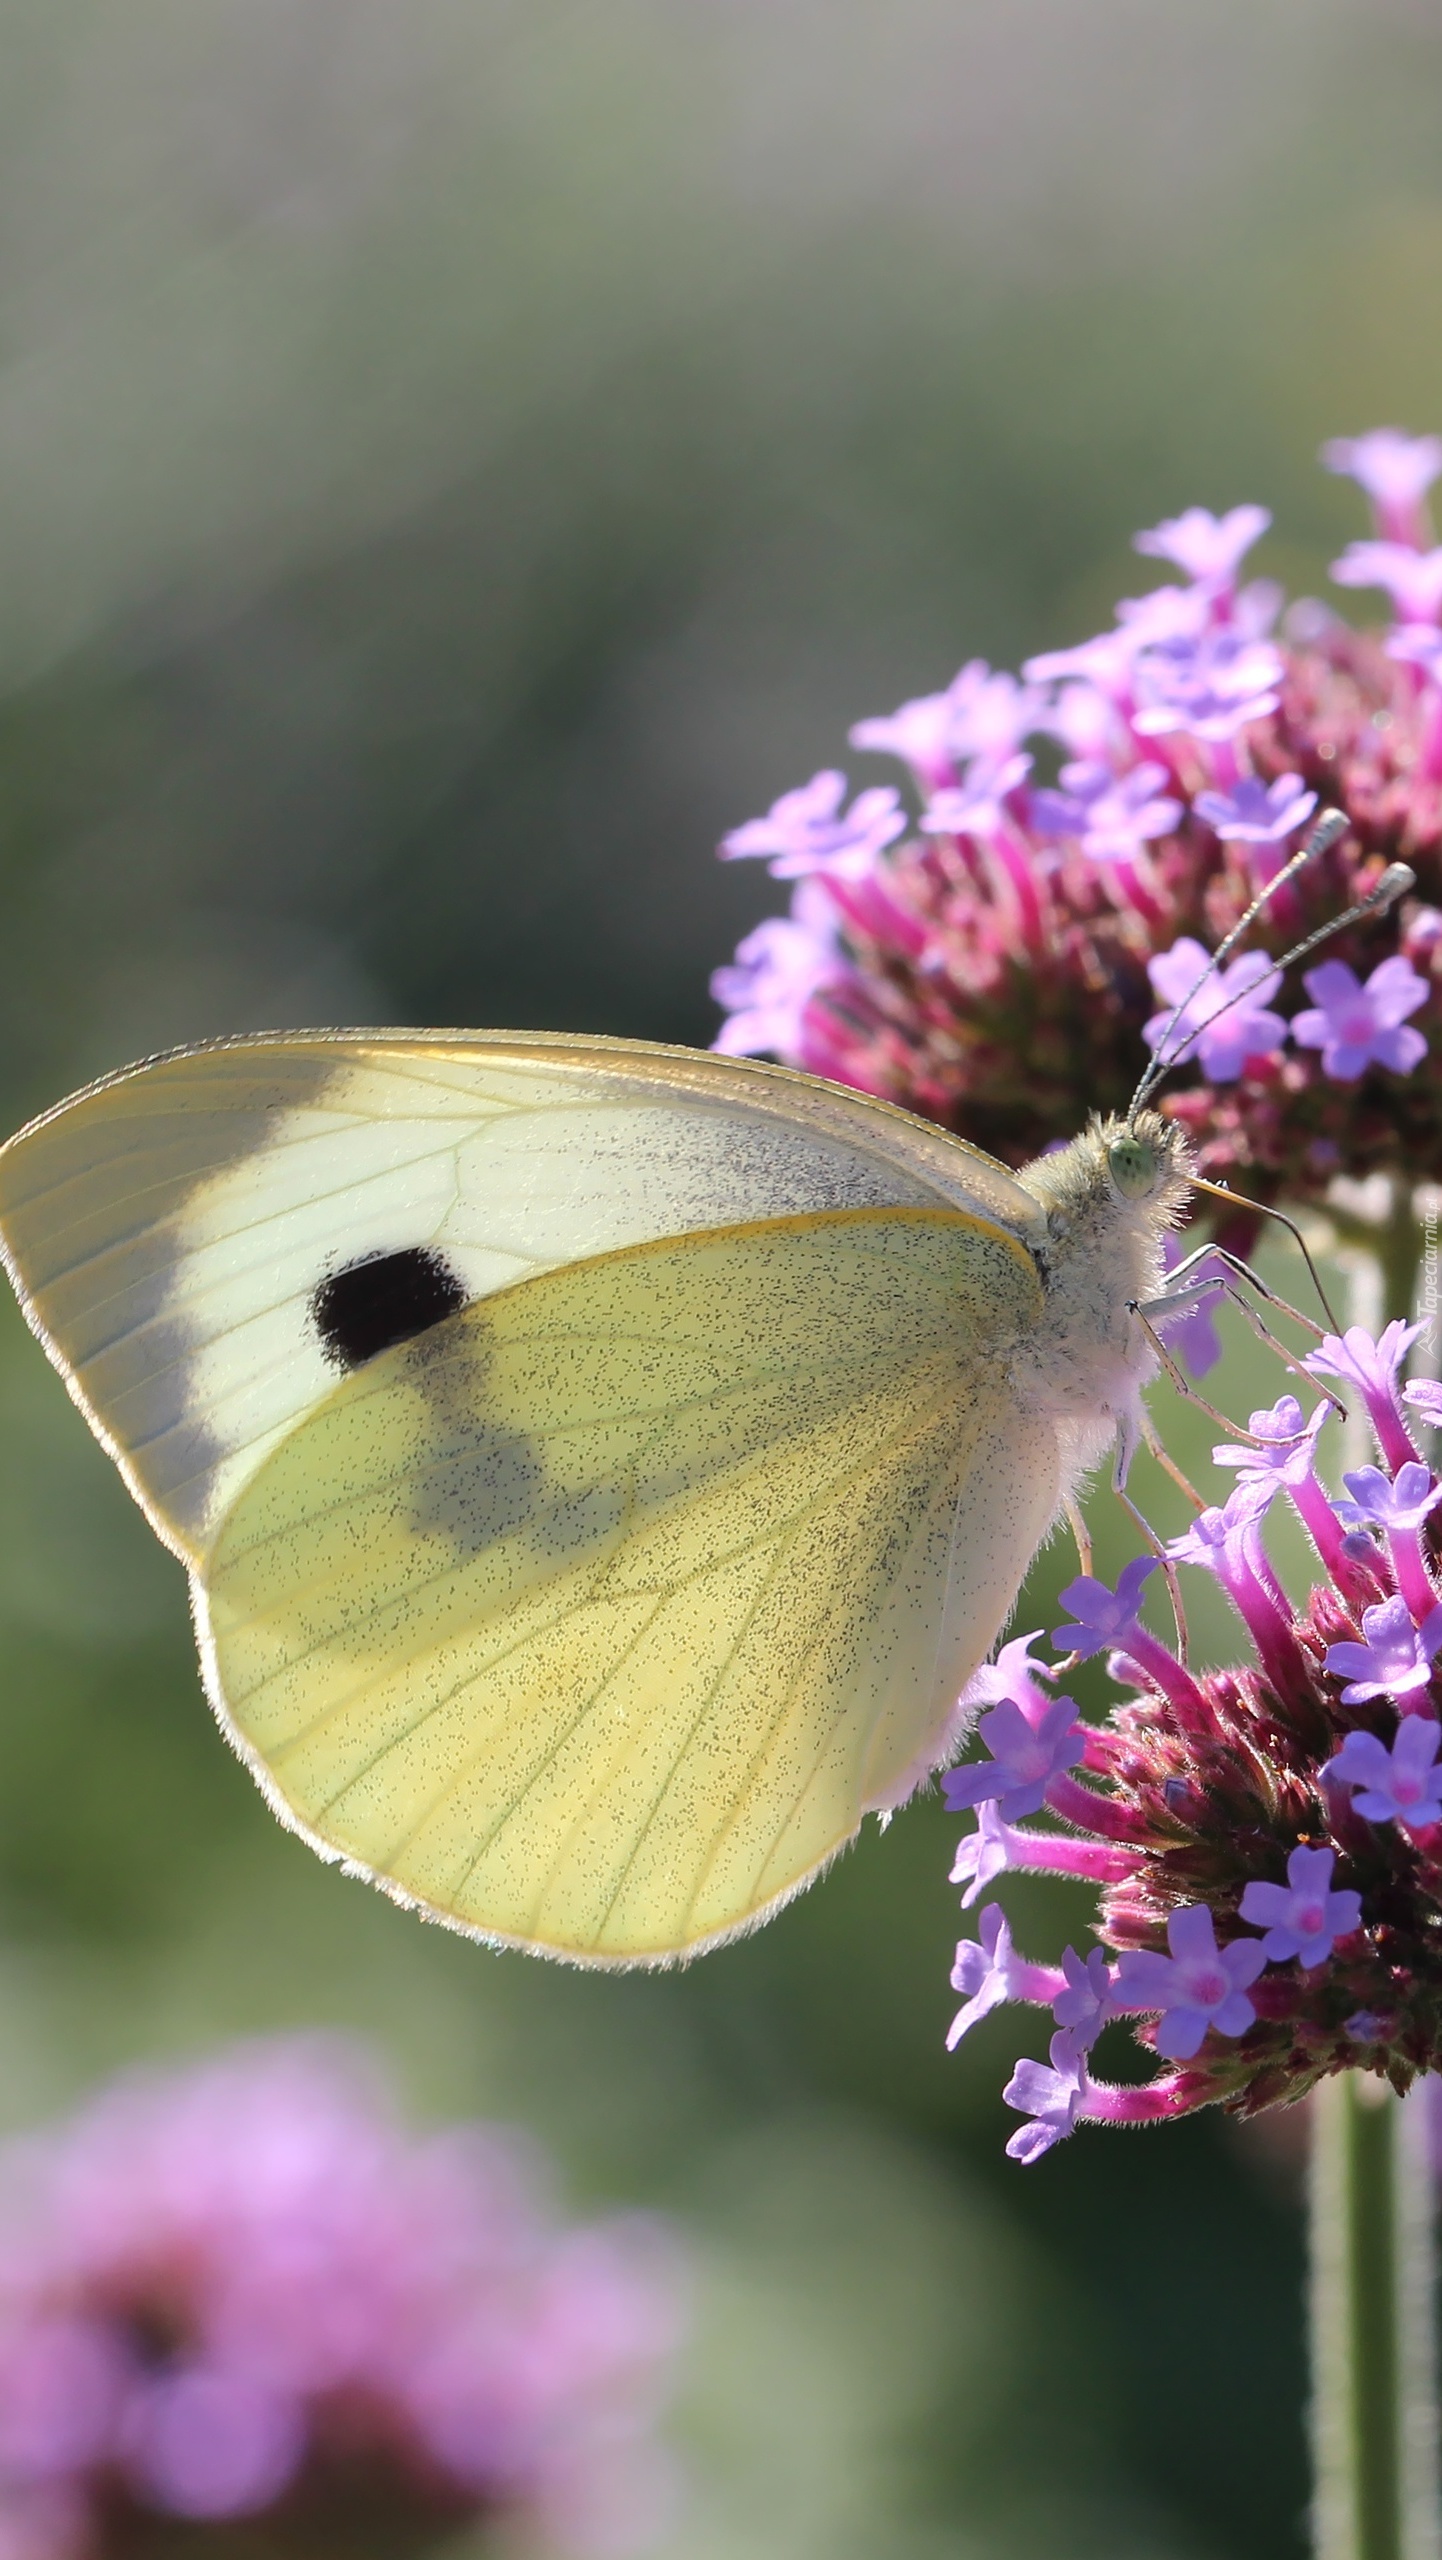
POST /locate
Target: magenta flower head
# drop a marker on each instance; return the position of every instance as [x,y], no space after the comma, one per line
[1265,1841]
[240,2294]
[1011,925]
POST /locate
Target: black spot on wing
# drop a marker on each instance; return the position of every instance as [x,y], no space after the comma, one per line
[383,1299]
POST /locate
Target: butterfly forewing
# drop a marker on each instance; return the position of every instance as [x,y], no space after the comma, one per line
[172,1231]
[593,1619]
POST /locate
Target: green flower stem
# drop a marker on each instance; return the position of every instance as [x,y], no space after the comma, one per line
[1374,2413]
[1372,2283]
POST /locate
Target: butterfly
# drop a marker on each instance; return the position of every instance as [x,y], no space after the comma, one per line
[600,1467]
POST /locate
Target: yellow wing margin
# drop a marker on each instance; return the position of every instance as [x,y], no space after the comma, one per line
[592,1620]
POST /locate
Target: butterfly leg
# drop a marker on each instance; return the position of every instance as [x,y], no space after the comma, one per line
[1129,1431]
[1081,1536]
[1174,1302]
[1155,1446]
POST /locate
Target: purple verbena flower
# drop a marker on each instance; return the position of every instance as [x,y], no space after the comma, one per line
[1207,547]
[1025,1756]
[1112,818]
[1213,687]
[975,807]
[1374,1369]
[1289,1450]
[1199,1985]
[1303,1917]
[346,2313]
[807,831]
[1260,814]
[1394,1503]
[1225,1021]
[1400,1785]
[1413,579]
[988,1971]
[1086,2005]
[1394,1658]
[1396,472]
[1051,2097]
[1105,1619]
[1356,1026]
[1425,1397]
[779,966]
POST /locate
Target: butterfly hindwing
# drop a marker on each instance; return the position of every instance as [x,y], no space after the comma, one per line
[173,1231]
[594,1618]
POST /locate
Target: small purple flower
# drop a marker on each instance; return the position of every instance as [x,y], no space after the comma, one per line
[987,1972]
[1400,1785]
[1413,579]
[983,1855]
[1013,1675]
[1025,1757]
[1086,2005]
[1254,812]
[1112,817]
[1207,547]
[975,807]
[1191,1335]
[1290,1450]
[919,733]
[1371,1366]
[807,831]
[1425,1397]
[1199,1985]
[1396,472]
[1213,686]
[1051,2097]
[1356,1026]
[991,713]
[1105,1618]
[778,968]
[1417,644]
[1394,1658]
[1303,1917]
[1394,1503]
[1225,1024]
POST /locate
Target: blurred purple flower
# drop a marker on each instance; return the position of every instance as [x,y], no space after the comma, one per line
[1213,686]
[1396,472]
[807,831]
[1356,1026]
[1413,579]
[1191,1335]
[1084,2007]
[1258,813]
[1207,547]
[1224,1024]
[974,807]
[1112,818]
[779,966]
[241,2290]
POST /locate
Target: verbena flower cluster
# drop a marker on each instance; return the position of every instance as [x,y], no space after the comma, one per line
[242,2292]
[1009,942]
[1267,1841]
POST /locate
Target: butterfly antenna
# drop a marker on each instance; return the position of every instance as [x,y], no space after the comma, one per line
[1395,881]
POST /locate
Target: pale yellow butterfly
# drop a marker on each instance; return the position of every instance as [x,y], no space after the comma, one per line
[600,1467]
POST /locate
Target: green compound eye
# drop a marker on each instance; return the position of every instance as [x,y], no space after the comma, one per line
[1133,1167]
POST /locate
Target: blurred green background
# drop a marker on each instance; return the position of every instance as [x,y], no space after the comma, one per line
[455,459]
